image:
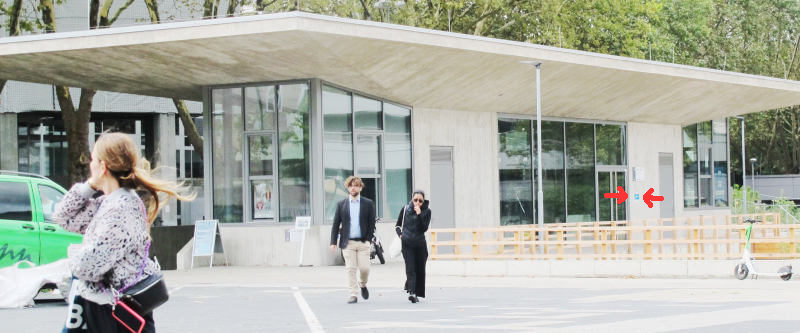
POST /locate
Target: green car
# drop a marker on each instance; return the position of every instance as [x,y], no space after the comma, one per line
[27,231]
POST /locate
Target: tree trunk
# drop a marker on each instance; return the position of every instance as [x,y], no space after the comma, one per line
[232,7]
[76,124]
[189,127]
[104,14]
[183,112]
[13,25]
[48,16]
[94,8]
[152,9]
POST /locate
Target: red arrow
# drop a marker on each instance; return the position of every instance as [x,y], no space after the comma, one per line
[621,196]
[649,197]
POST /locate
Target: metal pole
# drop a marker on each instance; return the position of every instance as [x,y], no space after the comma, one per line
[41,148]
[753,174]
[539,193]
[744,174]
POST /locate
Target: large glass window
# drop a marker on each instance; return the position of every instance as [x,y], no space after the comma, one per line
[580,172]
[553,171]
[720,162]
[226,113]
[398,156]
[516,187]
[294,158]
[575,157]
[705,164]
[338,141]
[690,166]
[371,139]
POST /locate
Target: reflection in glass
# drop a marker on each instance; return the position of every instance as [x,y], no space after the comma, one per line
[610,144]
[368,154]
[620,208]
[294,158]
[338,145]
[226,113]
[49,197]
[367,113]
[336,110]
[580,172]
[553,174]
[259,108]
[260,155]
[690,166]
[516,197]
[720,162]
[398,156]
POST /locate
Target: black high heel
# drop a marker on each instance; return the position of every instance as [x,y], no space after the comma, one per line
[413,298]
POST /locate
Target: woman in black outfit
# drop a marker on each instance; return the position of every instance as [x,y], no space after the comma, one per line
[412,223]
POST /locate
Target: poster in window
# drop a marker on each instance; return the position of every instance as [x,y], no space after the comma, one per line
[262,201]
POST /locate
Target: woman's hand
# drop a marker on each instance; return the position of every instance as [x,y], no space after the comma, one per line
[93,183]
[417,209]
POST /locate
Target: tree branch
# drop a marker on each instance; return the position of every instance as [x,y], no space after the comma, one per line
[119,11]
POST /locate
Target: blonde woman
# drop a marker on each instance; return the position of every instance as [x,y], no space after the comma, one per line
[116,229]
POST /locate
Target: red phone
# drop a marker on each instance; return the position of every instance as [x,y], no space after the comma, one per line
[127,317]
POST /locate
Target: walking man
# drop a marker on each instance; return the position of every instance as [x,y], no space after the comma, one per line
[354,224]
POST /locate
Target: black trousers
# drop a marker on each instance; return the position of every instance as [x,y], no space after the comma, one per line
[415,256]
[87,316]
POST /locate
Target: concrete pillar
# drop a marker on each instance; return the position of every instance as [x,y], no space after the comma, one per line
[9,155]
[165,156]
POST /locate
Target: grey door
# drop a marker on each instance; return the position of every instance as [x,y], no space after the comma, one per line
[666,185]
[441,196]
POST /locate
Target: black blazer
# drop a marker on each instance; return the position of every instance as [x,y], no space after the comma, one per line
[341,221]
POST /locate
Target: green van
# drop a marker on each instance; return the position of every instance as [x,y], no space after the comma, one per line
[27,231]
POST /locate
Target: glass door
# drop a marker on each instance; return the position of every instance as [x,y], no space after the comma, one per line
[607,182]
[260,173]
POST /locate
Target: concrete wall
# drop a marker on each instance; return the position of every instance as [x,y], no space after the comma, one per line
[473,136]
[9,157]
[266,245]
[601,268]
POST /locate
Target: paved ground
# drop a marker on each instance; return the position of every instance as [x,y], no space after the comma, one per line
[312,299]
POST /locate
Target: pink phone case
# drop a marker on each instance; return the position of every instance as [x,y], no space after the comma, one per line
[130,312]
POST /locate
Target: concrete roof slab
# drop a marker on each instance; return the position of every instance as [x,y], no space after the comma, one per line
[417,67]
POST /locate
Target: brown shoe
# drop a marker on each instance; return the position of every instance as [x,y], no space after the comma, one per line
[352,300]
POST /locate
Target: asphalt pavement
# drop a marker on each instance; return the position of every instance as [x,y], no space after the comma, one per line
[313,299]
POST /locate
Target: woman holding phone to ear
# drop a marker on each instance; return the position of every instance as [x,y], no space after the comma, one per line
[116,229]
[412,223]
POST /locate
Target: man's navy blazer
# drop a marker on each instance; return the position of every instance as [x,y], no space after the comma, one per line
[341,221]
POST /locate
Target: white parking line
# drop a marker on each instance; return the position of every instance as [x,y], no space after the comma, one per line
[311,319]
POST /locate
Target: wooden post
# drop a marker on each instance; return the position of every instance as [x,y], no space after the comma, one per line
[456,239]
[648,246]
[476,249]
[433,245]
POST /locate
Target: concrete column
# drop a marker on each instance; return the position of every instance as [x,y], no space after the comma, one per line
[9,155]
[165,156]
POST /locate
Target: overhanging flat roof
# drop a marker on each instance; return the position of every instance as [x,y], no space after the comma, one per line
[417,67]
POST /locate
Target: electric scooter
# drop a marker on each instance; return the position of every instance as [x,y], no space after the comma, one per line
[747,264]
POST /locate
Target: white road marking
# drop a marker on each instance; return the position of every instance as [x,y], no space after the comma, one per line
[311,319]
[174,290]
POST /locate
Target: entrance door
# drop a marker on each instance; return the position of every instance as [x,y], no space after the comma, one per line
[607,182]
[260,175]
[665,181]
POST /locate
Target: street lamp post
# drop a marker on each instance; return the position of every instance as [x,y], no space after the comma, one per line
[744,172]
[539,193]
[753,172]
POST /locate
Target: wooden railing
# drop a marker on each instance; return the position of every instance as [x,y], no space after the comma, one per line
[681,238]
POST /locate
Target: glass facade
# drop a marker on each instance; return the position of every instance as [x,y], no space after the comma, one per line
[516,174]
[705,165]
[370,138]
[580,162]
[261,140]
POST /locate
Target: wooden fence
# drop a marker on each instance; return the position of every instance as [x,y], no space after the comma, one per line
[694,238]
